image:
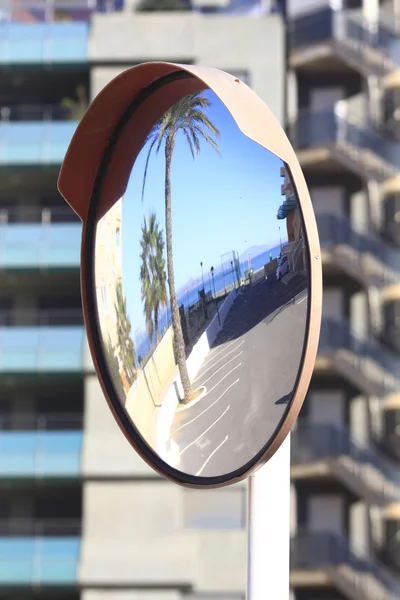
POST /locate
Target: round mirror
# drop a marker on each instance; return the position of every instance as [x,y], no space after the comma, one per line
[200,280]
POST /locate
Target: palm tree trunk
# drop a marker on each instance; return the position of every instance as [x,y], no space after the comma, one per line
[180,354]
[156,325]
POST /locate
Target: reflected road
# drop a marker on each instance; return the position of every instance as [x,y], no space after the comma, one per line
[249,375]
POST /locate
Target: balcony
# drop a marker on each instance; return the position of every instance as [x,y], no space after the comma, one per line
[40,528]
[27,247]
[44,32]
[326,560]
[364,363]
[39,561]
[36,135]
[326,140]
[30,350]
[321,451]
[33,446]
[55,455]
[361,256]
[325,39]
[389,546]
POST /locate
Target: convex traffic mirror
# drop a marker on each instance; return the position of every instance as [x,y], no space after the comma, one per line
[201,276]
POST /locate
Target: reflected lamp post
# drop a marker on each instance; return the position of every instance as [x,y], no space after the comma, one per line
[215,295]
[233,275]
[204,292]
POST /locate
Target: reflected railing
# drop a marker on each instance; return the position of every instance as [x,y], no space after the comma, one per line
[38,318]
[336,335]
[17,527]
[32,112]
[313,129]
[23,214]
[324,25]
[323,441]
[324,550]
[41,422]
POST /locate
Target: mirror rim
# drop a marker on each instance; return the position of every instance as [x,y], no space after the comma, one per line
[78,186]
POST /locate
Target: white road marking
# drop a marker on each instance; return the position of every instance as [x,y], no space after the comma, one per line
[204,432]
[208,407]
[214,354]
[219,360]
[199,472]
[302,300]
[217,371]
[222,378]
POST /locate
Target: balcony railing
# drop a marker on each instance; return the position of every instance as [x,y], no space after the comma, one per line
[328,550]
[313,442]
[22,214]
[45,11]
[329,129]
[39,561]
[17,527]
[336,335]
[336,230]
[33,112]
[50,454]
[39,318]
[30,246]
[35,143]
[40,422]
[44,350]
[347,29]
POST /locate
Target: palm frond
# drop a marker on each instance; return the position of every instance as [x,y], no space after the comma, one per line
[147,165]
[208,139]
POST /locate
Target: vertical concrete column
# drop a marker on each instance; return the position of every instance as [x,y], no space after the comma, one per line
[359,530]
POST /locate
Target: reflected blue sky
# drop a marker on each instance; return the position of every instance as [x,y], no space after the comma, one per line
[219,204]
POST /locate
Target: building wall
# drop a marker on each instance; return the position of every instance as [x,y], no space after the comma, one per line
[137,527]
[231,43]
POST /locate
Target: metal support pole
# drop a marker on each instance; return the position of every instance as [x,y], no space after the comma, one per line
[268,529]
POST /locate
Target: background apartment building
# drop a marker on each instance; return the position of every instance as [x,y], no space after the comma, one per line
[344,59]
[80,514]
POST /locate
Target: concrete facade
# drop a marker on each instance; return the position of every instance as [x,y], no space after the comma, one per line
[139,530]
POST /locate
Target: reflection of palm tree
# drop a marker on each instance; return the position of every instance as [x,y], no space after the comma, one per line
[126,349]
[152,275]
[113,367]
[188,116]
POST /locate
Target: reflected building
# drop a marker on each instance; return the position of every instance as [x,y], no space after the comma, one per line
[108,283]
[289,210]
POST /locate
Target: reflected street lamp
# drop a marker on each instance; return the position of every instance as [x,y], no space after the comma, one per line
[215,295]
[233,275]
[202,275]
[204,292]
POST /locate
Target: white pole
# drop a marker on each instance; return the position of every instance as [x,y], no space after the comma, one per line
[268,528]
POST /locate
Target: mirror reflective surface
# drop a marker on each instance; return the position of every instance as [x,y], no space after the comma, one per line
[201,281]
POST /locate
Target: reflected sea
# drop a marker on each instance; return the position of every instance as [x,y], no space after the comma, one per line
[188,297]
